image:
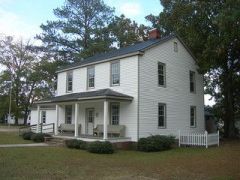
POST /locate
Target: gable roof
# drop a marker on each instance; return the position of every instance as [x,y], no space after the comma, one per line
[131,50]
[99,94]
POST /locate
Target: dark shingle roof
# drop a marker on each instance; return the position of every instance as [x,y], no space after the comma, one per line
[138,47]
[102,93]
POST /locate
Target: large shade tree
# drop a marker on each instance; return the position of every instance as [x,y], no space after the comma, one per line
[28,71]
[79,31]
[212,31]
[126,32]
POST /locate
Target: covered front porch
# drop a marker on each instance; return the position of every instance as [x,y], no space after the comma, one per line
[94,116]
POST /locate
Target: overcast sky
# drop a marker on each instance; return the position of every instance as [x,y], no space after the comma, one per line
[22,18]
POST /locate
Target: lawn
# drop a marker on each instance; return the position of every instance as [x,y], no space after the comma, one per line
[178,163]
[12,138]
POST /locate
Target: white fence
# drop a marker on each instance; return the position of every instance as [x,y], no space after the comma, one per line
[198,139]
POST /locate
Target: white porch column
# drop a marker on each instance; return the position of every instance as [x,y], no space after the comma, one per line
[76,119]
[105,119]
[57,119]
[38,118]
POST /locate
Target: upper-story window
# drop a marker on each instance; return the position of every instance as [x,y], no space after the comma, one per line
[69,81]
[192,81]
[175,46]
[161,74]
[91,77]
[115,73]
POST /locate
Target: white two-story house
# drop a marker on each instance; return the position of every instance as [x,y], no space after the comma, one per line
[152,87]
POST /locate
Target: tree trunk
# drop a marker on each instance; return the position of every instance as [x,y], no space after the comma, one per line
[229,125]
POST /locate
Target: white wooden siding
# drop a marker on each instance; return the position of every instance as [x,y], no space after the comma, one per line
[176,95]
[128,85]
[50,116]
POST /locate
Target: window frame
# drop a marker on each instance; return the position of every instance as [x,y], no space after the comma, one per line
[67,81]
[164,74]
[88,78]
[67,107]
[194,81]
[43,119]
[111,73]
[111,113]
[164,116]
[175,46]
[195,116]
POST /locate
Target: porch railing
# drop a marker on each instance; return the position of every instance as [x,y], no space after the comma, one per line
[43,128]
[198,139]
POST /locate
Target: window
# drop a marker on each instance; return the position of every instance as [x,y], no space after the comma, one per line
[161,115]
[193,116]
[115,114]
[115,73]
[175,47]
[68,114]
[192,81]
[161,74]
[43,117]
[90,77]
[69,81]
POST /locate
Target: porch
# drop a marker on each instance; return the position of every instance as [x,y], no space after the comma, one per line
[96,116]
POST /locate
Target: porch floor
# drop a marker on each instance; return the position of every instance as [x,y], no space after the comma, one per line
[90,138]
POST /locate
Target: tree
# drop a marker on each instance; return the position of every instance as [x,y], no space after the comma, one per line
[23,66]
[212,31]
[126,32]
[80,31]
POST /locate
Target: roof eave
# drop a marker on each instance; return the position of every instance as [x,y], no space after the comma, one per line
[102,61]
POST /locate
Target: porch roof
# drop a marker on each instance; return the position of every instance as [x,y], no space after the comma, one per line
[89,95]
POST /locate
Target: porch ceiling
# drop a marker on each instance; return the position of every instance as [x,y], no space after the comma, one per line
[89,95]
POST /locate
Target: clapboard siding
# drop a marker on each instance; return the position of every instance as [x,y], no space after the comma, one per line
[128,85]
[176,94]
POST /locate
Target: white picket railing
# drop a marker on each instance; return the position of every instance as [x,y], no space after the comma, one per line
[198,139]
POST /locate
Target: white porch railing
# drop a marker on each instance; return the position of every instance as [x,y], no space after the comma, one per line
[198,139]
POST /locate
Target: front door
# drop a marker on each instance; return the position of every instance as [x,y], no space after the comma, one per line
[90,121]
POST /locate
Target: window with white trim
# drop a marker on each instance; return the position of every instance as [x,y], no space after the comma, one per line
[161,115]
[68,114]
[193,116]
[175,46]
[115,73]
[43,117]
[91,77]
[69,81]
[161,74]
[192,81]
[115,113]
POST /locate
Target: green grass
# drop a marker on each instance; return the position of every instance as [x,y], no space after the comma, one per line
[12,138]
[179,163]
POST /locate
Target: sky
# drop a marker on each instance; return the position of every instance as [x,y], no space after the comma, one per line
[22,18]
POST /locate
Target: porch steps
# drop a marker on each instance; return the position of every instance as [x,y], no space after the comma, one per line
[52,141]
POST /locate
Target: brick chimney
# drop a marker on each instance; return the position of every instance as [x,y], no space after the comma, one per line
[154,34]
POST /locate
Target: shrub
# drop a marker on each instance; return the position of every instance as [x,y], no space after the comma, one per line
[27,135]
[39,137]
[155,143]
[100,147]
[76,144]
